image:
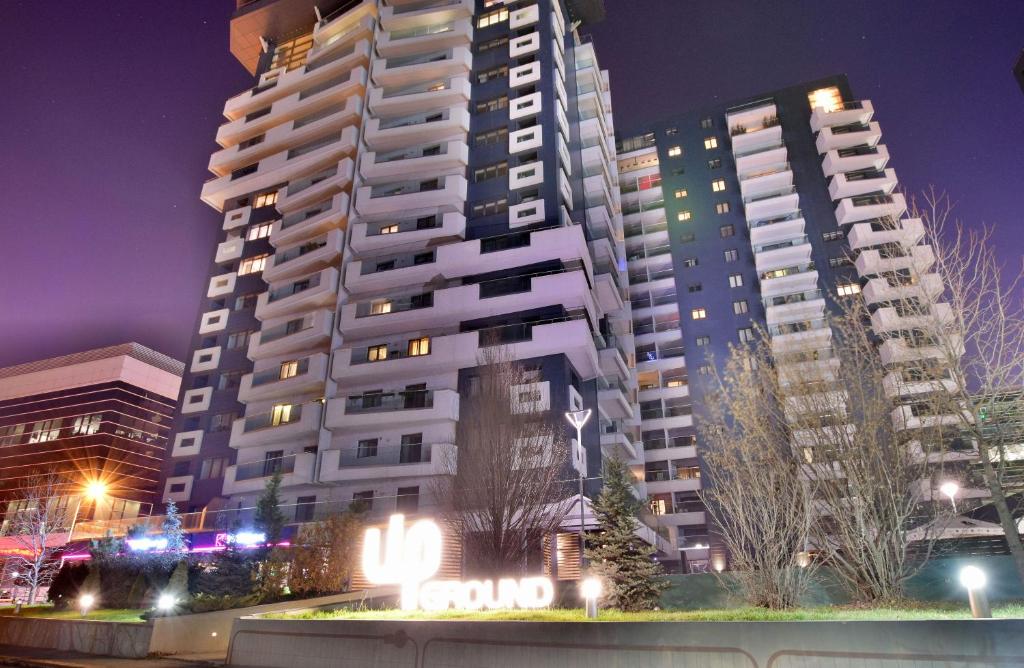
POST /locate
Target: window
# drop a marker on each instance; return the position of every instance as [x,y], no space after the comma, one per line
[704,370]
[411,451]
[305,508]
[671,132]
[229,380]
[722,207]
[739,307]
[683,215]
[176,488]
[363,500]
[647,182]
[828,99]
[11,434]
[367,448]
[222,421]
[253,265]
[694,287]
[246,301]
[490,171]
[496,136]
[491,207]
[707,123]
[731,255]
[45,430]
[735,280]
[703,341]
[261,231]
[408,500]
[746,334]
[675,151]
[690,262]
[835,235]
[714,163]
[687,238]
[281,414]
[718,185]
[289,369]
[847,289]
[265,199]
[698,313]
[85,425]
[377,353]
[389,229]
[492,18]
[238,340]
[710,143]
[492,44]
[839,261]
[492,74]
[420,346]
[681,193]
[726,231]
[494,104]
[213,468]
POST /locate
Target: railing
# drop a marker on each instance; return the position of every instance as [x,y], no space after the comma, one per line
[311,67]
[296,187]
[285,329]
[789,243]
[856,151]
[420,118]
[849,129]
[325,85]
[846,106]
[425,223]
[265,468]
[411,154]
[305,249]
[778,192]
[864,174]
[398,305]
[294,288]
[387,455]
[648,252]
[407,188]
[276,418]
[317,116]
[379,402]
[419,59]
[426,4]
[761,222]
[659,354]
[873,199]
[672,442]
[275,374]
[312,146]
[416,89]
[797,327]
[798,297]
[644,206]
[422,31]
[787,271]
[761,149]
[781,168]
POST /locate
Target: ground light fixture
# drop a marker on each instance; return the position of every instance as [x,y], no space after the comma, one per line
[590,588]
[950,488]
[974,580]
[85,603]
[166,602]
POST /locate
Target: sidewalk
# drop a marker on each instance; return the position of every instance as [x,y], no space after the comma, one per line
[11,655]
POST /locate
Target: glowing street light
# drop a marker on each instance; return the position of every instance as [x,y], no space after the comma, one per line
[950,488]
[591,590]
[95,490]
[577,419]
[166,602]
[974,580]
[85,602]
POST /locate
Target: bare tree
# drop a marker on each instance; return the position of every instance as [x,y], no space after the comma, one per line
[39,523]
[324,554]
[502,491]
[755,492]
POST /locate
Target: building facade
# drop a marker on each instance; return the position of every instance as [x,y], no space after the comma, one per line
[405,186]
[99,418]
[759,214]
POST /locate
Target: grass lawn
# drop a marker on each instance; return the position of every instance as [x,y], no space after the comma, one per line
[836,613]
[47,611]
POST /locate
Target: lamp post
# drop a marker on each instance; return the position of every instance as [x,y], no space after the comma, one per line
[950,489]
[591,589]
[974,580]
[577,419]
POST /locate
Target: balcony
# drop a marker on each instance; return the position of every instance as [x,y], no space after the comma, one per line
[424,13]
[867,207]
[292,424]
[925,318]
[403,100]
[423,39]
[393,410]
[897,385]
[855,159]
[918,258]
[847,136]
[906,232]
[779,254]
[410,233]
[388,462]
[339,26]
[251,477]
[802,335]
[418,161]
[308,190]
[862,183]
[281,167]
[752,118]
[286,336]
[615,399]
[846,113]
[315,220]
[616,442]
[776,228]
[774,203]
[316,291]
[797,278]
[903,417]
[444,193]
[303,259]
[409,70]
[667,485]
[771,178]
[757,137]
[794,307]
[925,287]
[418,128]
[305,376]
[755,160]
[900,349]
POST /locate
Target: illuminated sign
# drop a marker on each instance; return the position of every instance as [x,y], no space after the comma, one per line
[242,539]
[411,557]
[146,543]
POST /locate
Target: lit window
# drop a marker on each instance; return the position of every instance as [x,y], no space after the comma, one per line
[710,143]
[746,334]
[735,280]
[683,215]
[722,207]
[675,382]
[281,414]
[253,265]
[420,346]
[690,262]
[726,231]
[377,353]
[703,341]
[261,231]
[681,193]
[492,18]
[731,255]
[704,370]
[718,185]
[265,199]
[698,313]
[739,307]
[380,306]
[834,235]
[86,424]
[826,99]
[289,369]
[671,132]
[847,289]
[389,229]
[675,151]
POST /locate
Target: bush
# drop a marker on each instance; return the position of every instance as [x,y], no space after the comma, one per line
[66,583]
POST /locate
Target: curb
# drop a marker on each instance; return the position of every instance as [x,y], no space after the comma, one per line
[7,660]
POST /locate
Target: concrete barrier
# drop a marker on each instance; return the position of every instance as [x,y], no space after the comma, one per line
[104,638]
[449,644]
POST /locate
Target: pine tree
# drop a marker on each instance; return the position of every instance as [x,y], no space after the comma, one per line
[269,519]
[623,562]
[176,547]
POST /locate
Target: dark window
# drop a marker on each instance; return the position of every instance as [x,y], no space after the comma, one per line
[703,340]
[363,500]
[726,231]
[707,123]
[688,238]
[222,421]
[694,287]
[408,500]
[367,448]
[305,506]
[714,163]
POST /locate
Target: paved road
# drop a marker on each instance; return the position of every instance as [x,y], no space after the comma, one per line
[26,656]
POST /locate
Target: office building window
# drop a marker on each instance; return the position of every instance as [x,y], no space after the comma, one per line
[305,508]
[181,468]
[380,306]
[367,448]
[722,207]
[420,346]
[829,99]
[703,341]
[377,353]
[497,136]
[389,229]
[281,414]
[675,151]
[265,199]
[229,380]
[718,185]
[735,280]
[714,163]
[253,265]
[495,43]
[710,143]
[739,307]
[261,231]
[698,313]
[85,425]
[671,132]
[492,18]
[726,231]
[491,207]
[847,289]
[683,215]
[680,193]
[704,370]
[731,255]
[707,123]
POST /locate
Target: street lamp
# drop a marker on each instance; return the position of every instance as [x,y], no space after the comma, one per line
[974,580]
[577,419]
[86,601]
[950,488]
[591,589]
[95,491]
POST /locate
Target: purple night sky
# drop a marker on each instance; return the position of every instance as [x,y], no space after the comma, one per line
[109,112]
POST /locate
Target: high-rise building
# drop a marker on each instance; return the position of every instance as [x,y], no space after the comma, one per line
[405,184]
[98,420]
[755,213]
